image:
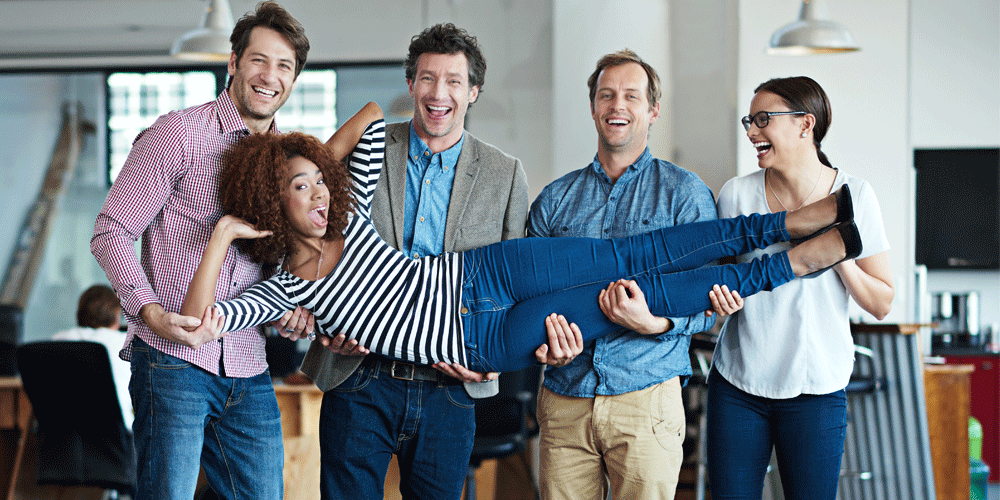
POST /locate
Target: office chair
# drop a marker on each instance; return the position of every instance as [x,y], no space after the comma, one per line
[82,440]
[865,379]
[505,422]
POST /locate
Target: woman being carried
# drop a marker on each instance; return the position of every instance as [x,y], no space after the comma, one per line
[483,308]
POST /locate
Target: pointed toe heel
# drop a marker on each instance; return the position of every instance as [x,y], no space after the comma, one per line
[845,213]
[852,245]
[845,205]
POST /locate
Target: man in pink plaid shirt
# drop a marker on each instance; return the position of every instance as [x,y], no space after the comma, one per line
[198,401]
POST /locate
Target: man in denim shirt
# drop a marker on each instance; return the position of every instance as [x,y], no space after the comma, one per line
[617,407]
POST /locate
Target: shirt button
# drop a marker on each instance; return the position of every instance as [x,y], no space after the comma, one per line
[446,168]
[415,157]
[428,182]
[421,219]
[427,153]
[465,310]
[416,255]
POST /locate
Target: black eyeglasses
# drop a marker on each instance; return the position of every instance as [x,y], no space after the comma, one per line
[762,118]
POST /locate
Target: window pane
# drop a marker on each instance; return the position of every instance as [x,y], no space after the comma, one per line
[137,99]
[312,105]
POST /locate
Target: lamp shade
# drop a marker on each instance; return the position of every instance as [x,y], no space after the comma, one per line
[211,41]
[812,34]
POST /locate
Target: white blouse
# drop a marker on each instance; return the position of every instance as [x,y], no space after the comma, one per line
[795,339]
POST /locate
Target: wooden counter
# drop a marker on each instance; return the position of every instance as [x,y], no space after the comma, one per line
[300,411]
[947,390]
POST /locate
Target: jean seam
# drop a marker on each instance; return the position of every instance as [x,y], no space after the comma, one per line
[727,240]
[225,461]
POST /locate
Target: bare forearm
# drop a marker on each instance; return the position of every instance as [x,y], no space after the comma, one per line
[342,142]
[201,290]
[869,283]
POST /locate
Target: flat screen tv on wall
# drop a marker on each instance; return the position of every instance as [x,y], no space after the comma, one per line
[958,208]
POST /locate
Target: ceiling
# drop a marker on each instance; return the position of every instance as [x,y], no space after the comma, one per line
[52,33]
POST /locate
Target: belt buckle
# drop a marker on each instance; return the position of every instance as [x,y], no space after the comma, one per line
[403,367]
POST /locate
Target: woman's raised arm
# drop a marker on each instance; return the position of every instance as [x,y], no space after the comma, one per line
[201,291]
[342,142]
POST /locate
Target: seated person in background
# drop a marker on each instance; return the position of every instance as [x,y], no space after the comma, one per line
[99,316]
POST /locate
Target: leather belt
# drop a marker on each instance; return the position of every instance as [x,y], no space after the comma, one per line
[400,370]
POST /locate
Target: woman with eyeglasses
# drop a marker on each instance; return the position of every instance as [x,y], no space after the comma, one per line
[783,361]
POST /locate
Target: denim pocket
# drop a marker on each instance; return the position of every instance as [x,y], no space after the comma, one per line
[357,381]
[458,397]
[166,361]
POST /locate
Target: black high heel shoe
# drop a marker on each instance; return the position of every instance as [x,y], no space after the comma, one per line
[852,244]
[845,212]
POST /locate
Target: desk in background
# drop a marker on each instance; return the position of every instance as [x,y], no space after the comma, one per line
[15,424]
[300,410]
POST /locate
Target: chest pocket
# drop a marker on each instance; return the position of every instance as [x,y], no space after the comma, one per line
[589,229]
[639,225]
[479,235]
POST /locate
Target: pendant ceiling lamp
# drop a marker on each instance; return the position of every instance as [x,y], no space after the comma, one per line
[211,41]
[813,33]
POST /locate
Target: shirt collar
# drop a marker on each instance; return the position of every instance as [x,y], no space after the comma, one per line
[640,163]
[419,149]
[230,119]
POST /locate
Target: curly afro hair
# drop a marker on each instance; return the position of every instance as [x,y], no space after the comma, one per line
[254,177]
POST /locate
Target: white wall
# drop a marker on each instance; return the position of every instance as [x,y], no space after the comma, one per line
[583,31]
[514,111]
[868,92]
[703,50]
[955,89]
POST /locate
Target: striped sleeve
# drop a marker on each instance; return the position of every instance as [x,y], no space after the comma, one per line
[262,303]
[365,164]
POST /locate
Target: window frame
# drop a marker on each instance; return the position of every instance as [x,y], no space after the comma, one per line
[221,80]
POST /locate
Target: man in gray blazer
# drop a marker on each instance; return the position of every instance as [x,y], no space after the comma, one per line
[441,189]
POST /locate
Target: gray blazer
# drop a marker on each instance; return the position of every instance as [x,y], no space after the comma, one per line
[489,203]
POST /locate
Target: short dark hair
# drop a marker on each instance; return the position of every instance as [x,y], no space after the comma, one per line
[447,39]
[801,93]
[619,58]
[99,307]
[272,16]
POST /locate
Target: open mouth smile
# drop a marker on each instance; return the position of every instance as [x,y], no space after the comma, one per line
[762,148]
[318,216]
[264,92]
[437,112]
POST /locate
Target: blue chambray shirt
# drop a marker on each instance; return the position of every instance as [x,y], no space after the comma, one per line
[429,177]
[650,194]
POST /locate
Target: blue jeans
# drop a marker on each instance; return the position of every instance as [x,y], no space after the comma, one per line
[509,287]
[186,417]
[430,426]
[806,433]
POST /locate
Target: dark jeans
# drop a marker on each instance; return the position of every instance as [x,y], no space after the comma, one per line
[509,287]
[806,433]
[430,426]
[186,417]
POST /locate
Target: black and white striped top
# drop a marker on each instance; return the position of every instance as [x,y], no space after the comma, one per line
[396,306]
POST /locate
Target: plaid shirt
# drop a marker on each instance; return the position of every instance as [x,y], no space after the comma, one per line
[167,194]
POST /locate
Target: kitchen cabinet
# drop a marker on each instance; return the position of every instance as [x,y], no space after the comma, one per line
[985,403]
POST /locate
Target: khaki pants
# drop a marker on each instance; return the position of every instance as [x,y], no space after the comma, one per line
[633,439]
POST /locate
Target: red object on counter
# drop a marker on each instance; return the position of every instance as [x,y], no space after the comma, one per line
[985,404]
